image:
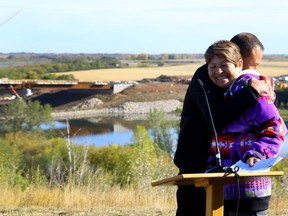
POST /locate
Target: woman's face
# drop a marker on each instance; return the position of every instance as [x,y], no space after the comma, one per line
[223,73]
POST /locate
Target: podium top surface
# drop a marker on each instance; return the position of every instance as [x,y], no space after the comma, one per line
[190,179]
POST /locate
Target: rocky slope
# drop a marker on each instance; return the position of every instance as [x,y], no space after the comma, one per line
[126,108]
[140,99]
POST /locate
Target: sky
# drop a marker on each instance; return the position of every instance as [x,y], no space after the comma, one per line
[133,26]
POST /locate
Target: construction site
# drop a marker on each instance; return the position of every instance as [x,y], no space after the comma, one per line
[56,92]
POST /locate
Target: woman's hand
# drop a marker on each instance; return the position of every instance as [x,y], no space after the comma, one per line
[252,160]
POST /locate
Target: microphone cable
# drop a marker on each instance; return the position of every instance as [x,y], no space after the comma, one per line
[237,178]
[218,154]
[227,170]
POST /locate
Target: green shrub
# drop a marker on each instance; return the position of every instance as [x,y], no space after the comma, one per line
[133,165]
[160,130]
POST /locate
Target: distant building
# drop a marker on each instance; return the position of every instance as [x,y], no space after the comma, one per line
[132,64]
[283,78]
[282,81]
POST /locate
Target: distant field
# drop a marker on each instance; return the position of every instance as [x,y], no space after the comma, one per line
[268,68]
[275,68]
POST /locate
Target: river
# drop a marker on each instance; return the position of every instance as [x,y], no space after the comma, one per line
[101,131]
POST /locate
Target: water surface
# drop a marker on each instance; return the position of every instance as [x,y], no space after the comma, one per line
[103,131]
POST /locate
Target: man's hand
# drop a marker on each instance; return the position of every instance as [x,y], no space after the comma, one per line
[252,160]
[262,88]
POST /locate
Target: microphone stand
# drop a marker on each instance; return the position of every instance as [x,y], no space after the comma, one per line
[218,168]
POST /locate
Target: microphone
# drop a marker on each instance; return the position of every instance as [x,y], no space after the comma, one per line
[218,167]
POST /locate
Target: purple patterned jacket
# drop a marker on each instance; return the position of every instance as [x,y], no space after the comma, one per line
[258,133]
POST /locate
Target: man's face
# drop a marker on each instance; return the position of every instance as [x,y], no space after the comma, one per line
[254,60]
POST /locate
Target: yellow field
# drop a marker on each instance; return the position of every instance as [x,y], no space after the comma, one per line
[274,68]
[124,74]
[268,68]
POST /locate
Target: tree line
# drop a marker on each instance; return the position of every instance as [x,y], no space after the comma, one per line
[46,66]
[49,70]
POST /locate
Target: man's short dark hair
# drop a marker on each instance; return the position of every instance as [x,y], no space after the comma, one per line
[247,42]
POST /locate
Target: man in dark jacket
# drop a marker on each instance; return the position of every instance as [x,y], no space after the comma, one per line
[196,128]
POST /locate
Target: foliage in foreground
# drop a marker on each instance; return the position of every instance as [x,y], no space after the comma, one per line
[36,170]
[35,158]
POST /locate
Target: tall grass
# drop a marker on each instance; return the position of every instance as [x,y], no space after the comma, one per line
[101,197]
[278,203]
[102,200]
[75,199]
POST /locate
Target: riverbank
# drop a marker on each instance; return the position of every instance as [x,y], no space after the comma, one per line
[140,99]
[124,109]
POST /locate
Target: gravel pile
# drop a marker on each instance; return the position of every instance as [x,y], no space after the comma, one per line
[88,104]
[126,108]
[146,107]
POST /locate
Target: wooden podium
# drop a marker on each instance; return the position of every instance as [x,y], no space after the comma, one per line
[214,183]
